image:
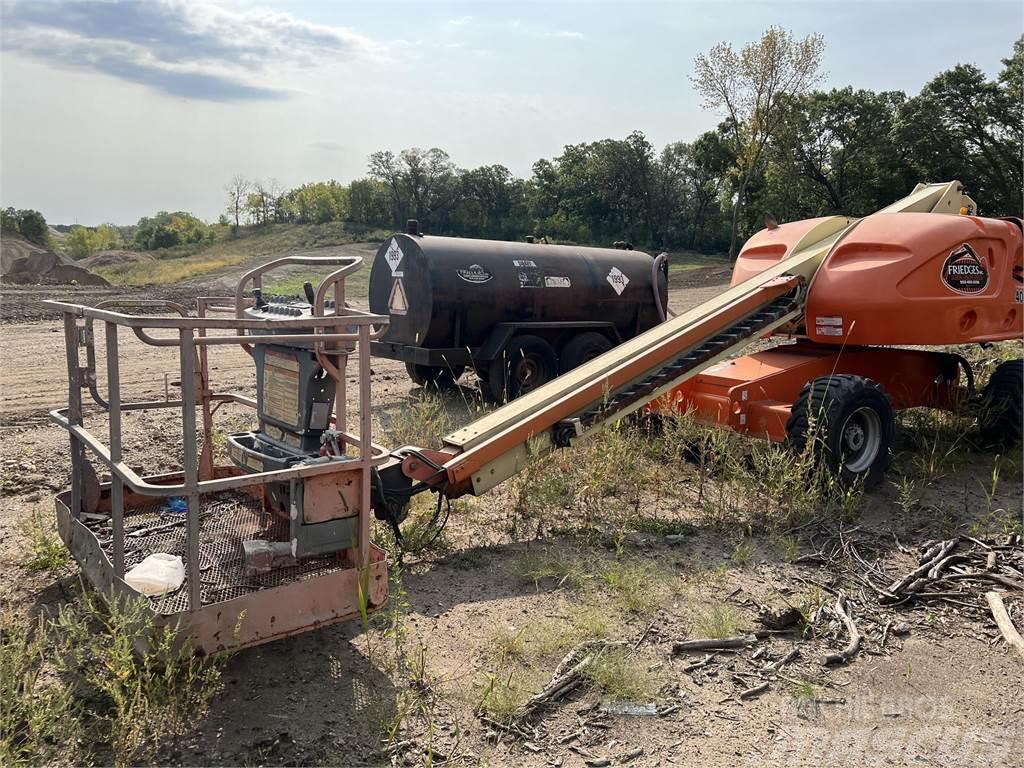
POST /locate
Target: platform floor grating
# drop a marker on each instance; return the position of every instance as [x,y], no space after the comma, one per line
[226,520]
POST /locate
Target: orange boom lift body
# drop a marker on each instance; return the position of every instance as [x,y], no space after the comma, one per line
[895,279]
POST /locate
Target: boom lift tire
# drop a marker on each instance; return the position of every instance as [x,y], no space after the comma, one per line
[526,363]
[850,420]
[432,377]
[1002,406]
[581,349]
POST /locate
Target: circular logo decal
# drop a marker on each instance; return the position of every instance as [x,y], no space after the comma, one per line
[475,274]
[964,272]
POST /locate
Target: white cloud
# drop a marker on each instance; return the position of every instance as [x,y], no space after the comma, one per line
[196,50]
[567,35]
[461,21]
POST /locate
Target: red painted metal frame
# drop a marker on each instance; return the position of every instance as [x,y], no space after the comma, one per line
[754,393]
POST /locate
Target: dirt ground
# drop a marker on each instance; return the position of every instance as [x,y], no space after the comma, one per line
[946,691]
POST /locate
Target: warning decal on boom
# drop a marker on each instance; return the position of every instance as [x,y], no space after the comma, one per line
[397,303]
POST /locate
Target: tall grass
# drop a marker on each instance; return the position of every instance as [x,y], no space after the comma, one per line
[620,479]
[77,690]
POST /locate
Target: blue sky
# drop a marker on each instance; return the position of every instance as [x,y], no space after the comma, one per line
[113,109]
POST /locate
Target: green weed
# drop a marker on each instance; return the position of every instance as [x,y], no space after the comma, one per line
[743,553]
[584,621]
[634,587]
[620,676]
[421,421]
[46,551]
[508,644]
[804,691]
[500,695]
[788,547]
[718,621]
[142,698]
[551,565]
[40,718]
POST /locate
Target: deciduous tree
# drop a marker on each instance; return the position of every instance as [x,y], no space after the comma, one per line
[749,86]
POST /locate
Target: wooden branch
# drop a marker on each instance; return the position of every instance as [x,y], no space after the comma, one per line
[555,689]
[757,690]
[1006,581]
[1002,619]
[775,666]
[713,644]
[853,646]
[885,632]
[567,675]
[707,661]
[899,586]
[945,563]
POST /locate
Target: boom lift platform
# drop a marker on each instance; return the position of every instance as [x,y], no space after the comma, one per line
[281,535]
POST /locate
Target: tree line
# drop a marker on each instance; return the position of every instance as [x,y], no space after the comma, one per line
[782,147]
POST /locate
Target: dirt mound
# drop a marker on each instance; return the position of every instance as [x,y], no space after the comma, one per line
[25,263]
[114,259]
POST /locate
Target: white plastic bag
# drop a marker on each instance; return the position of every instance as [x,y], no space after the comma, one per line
[157,575]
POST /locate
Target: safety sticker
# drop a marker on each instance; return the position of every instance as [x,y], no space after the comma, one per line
[964,272]
[523,263]
[828,330]
[393,256]
[829,321]
[398,304]
[474,273]
[557,282]
[530,277]
[617,280]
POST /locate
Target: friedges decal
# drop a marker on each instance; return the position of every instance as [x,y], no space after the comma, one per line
[474,274]
[964,272]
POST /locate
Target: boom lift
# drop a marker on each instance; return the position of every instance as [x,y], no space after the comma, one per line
[281,535]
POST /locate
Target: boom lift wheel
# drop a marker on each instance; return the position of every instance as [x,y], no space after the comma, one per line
[850,420]
[1002,406]
[582,348]
[527,363]
[433,377]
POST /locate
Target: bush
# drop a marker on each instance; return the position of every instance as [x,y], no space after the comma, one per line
[28,223]
[166,230]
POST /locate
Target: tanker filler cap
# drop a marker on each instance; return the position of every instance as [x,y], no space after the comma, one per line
[412,227]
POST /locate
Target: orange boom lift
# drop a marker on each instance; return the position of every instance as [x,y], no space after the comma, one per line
[922,271]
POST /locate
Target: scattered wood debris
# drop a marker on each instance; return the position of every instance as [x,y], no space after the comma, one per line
[778,664]
[1002,619]
[713,644]
[853,646]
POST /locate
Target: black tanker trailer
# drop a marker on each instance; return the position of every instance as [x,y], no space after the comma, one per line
[518,313]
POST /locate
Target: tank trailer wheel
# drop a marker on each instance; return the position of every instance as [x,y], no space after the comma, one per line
[850,421]
[430,377]
[582,348]
[528,362]
[1001,418]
